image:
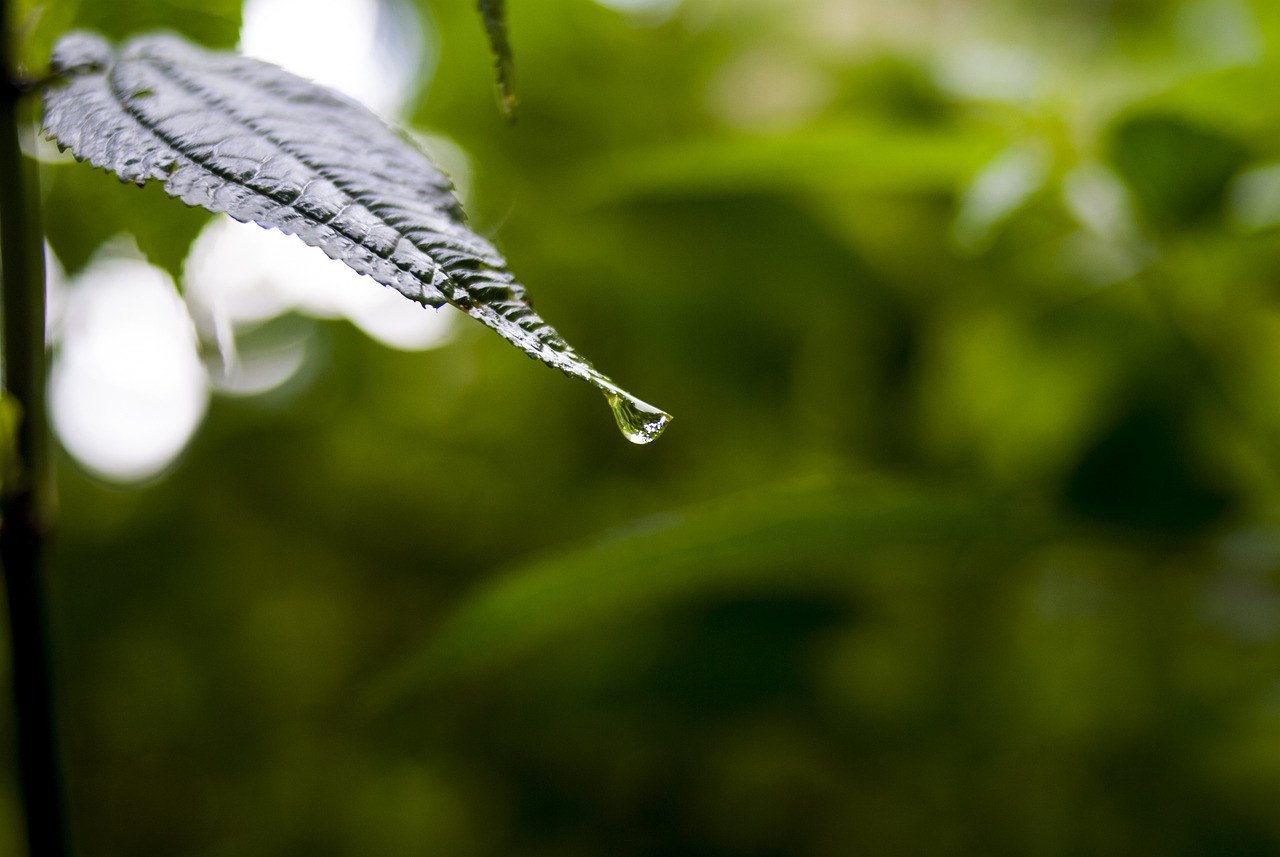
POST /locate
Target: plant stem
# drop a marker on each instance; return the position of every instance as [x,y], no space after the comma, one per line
[26,501]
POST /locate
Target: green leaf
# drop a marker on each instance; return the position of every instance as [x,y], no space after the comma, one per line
[835,158]
[238,136]
[1179,171]
[776,540]
[494,15]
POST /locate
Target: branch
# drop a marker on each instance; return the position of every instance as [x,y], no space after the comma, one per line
[26,495]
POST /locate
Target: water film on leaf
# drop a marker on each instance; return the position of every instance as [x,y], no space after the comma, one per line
[238,136]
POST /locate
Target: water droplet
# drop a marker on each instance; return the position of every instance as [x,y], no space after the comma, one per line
[639,422]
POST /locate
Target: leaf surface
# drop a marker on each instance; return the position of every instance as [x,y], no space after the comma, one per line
[238,136]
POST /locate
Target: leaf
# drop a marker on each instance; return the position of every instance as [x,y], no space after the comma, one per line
[89,209]
[242,137]
[836,158]
[494,15]
[863,536]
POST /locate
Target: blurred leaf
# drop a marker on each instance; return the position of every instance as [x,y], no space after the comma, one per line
[833,158]
[235,135]
[795,540]
[1178,171]
[213,22]
[1144,474]
[37,24]
[998,190]
[1232,101]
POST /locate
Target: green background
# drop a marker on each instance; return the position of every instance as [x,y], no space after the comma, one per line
[965,538]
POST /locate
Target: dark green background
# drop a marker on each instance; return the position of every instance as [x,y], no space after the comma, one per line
[965,539]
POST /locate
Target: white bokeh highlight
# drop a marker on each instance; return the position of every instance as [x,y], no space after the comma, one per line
[240,275]
[127,390]
[655,10]
[371,50]
[998,190]
[1254,199]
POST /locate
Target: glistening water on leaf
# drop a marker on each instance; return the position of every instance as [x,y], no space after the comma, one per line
[242,137]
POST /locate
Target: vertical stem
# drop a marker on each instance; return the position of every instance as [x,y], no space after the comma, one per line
[25,504]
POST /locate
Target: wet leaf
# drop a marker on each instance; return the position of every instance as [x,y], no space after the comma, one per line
[238,136]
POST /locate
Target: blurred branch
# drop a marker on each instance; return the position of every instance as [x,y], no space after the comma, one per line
[493,13]
[26,502]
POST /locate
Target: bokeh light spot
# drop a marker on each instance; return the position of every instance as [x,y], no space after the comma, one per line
[239,275]
[372,50]
[127,389]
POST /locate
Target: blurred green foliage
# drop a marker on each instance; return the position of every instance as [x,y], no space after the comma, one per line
[965,539]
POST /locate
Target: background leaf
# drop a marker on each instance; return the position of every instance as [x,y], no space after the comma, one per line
[768,542]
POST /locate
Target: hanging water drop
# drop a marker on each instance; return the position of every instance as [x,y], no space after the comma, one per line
[640,422]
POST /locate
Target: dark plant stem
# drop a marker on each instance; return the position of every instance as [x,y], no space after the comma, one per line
[26,501]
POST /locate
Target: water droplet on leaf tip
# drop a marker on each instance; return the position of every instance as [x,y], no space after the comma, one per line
[639,422]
